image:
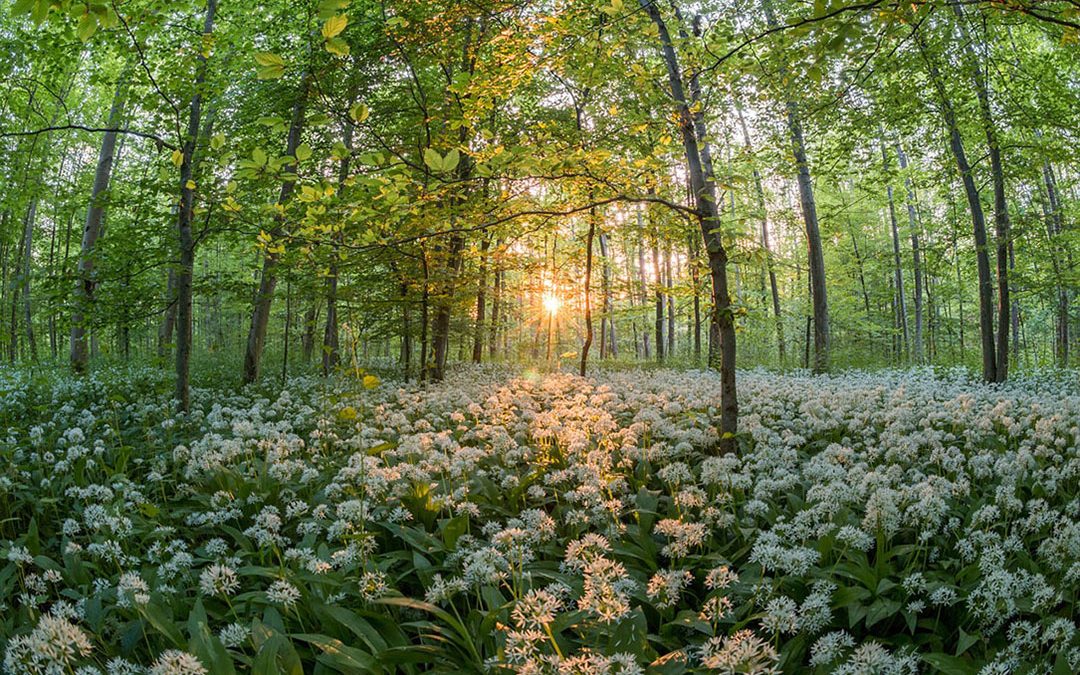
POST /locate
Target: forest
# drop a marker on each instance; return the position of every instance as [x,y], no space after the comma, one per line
[550,336]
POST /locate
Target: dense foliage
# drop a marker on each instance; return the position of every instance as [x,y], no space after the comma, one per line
[890,523]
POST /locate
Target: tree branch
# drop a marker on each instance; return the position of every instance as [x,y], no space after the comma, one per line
[78,127]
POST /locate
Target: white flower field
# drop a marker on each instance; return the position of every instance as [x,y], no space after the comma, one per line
[899,522]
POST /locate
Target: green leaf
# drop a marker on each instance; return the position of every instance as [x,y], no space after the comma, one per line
[945,663]
[433,159]
[155,613]
[205,644]
[966,641]
[303,152]
[269,59]
[338,655]
[337,47]
[334,25]
[258,156]
[87,26]
[451,160]
[359,113]
[270,72]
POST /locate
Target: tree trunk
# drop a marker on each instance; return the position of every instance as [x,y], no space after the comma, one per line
[692,130]
[84,284]
[916,255]
[608,345]
[168,321]
[186,269]
[898,270]
[331,354]
[670,304]
[28,247]
[1053,231]
[658,296]
[770,264]
[986,289]
[588,292]
[496,302]
[1001,210]
[816,255]
[481,302]
[260,316]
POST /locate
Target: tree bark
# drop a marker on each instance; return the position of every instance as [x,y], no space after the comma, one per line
[260,316]
[978,219]
[816,254]
[186,268]
[658,296]
[693,132]
[770,264]
[588,292]
[84,284]
[1001,210]
[916,256]
[898,270]
[481,302]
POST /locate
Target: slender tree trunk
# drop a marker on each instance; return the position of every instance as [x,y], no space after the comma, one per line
[186,268]
[331,354]
[816,253]
[898,270]
[608,345]
[670,304]
[693,132]
[481,302]
[770,264]
[260,316]
[986,289]
[84,284]
[658,294]
[168,320]
[28,247]
[425,302]
[1053,231]
[496,302]
[644,285]
[1001,210]
[588,292]
[311,318]
[695,279]
[916,255]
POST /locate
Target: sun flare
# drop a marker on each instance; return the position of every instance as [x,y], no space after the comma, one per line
[552,303]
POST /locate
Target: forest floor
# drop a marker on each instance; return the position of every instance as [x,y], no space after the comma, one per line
[895,522]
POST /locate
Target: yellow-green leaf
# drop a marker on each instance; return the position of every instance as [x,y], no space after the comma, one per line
[303,152]
[451,160]
[177,158]
[269,59]
[433,159]
[337,47]
[359,112]
[87,26]
[334,25]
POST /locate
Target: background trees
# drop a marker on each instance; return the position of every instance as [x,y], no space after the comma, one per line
[413,184]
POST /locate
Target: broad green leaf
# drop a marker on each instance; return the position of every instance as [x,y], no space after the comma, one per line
[334,25]
[359,113]
[433,159]
[451,160]
[337,47]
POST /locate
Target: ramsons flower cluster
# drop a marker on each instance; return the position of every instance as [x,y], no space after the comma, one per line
[898,522]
